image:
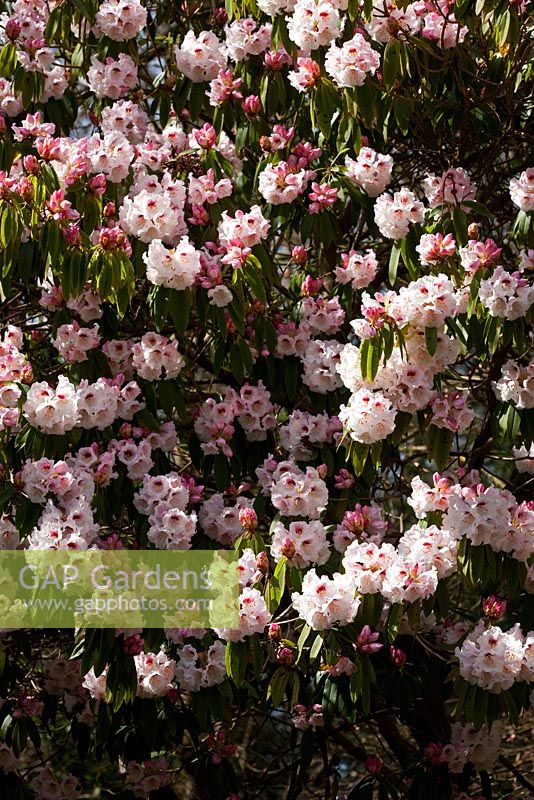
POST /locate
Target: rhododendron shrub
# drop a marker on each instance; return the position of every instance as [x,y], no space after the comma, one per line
[267,286]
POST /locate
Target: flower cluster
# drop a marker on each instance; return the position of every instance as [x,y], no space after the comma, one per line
[395,213]
[495,659]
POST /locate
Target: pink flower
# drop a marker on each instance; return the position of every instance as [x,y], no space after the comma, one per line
[435,247]
[205,136]
[306,76]
[322,196]
[367,641]
[60,209]
[343,479]
[251,105]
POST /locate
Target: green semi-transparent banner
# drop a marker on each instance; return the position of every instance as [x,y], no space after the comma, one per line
[119,589]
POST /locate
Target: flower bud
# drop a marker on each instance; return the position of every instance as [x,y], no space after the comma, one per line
[494,607]
[373,765]
[310,286]
[275,632]
[433,752]
[286,656]
[71,234]
[31,165]
[27,374]
[265,144]
[397,656]
[13,28]
[262,562]
[219,16]
[251,105]
[206,136]
[248,519]
[299,255]
[288,548]
[125,430]
[322,471]
[472,230]
[133,645]
[97,184]
[25,189]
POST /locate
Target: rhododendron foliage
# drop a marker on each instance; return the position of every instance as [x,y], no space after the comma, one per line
[266,286]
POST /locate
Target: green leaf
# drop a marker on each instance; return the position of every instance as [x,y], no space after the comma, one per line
[252,273]
[391,66]
[277,686]
[180,304]
[392,624]
[439,442]
[276,586]
[291,377]
[431,340]
[394,262]
[316,646]
[327,100]
[236,660]
[303,638]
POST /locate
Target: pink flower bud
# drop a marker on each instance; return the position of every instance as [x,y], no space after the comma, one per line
[275,59]
[367,641]
[373,765]
[397,656]
[299,255]
[248,519]
[13,28]
[71,234]
[31,165]
[206,136]
[343,479]
[251,105]
[288,548]
[311,286]
[111,542]
[322,471]
[433,752]
[275,632]
[286,656]
[109,210]
[97,185]
[494,607]
[27,374]
[262,562]
[25,189]
[220,17]
[125,430]
[133,645]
